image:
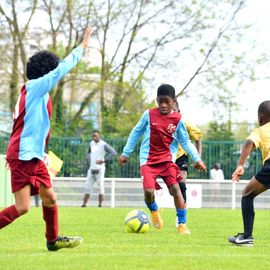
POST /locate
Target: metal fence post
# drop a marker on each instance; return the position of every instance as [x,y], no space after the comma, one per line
[233,195]
[6,196]
[112,193]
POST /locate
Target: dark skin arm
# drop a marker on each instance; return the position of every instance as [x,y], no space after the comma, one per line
[240,170]
[199,146]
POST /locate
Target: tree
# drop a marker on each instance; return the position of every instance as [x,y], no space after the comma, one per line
[137,41]
[242,130]
[218,132]
[10,12]
[146,30]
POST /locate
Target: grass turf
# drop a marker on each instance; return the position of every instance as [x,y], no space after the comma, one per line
[108,246]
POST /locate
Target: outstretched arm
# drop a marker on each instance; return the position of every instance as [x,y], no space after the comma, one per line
[136,134]
[48,81]
[239,171]
[134,137]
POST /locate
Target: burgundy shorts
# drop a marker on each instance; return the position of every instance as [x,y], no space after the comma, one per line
[28,172]
[168,171]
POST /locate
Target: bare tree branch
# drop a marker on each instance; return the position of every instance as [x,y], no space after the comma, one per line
[213,45]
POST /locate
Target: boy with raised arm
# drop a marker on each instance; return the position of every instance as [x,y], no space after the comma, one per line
[30,134]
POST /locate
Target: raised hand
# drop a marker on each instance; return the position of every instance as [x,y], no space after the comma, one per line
[86,37]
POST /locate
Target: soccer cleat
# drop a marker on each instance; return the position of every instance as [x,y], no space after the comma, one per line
[157,219]
[64,242]
[240,240]
[183,229]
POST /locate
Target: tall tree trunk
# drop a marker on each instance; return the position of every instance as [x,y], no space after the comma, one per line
[14,77]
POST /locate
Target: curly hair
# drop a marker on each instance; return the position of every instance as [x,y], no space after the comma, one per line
[40,64]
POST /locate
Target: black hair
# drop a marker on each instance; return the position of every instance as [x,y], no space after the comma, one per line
[217,166]
[95,131]
[264,109]
[40,64]
[166,90]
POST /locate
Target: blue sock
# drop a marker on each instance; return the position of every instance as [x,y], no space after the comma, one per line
[181,215]
[152,206]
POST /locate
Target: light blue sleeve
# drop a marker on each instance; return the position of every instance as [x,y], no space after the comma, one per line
[136,134]
[188,146]
[44,84]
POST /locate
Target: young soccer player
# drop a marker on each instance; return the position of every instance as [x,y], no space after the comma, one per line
[162,129]
[258,138]
[31,129]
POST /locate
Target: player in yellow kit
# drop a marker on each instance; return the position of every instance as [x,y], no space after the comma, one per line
[258,138]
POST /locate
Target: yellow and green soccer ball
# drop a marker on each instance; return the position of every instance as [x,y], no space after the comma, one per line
[137,221]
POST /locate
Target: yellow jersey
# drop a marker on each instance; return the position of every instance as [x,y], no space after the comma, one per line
[261,139]
[194,134]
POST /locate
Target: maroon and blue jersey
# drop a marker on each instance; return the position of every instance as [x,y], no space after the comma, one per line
[161,135]
[31,127]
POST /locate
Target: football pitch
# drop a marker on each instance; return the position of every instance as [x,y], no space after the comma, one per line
[108,246]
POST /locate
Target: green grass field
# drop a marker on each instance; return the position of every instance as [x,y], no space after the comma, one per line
[107,245]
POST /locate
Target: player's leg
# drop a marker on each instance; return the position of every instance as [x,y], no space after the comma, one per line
[88,188]
[149,175]
[149,198]
[101,187]
[253,188]
[180,206]
[21,172]
[170,175]
[182,184]
[182,163]
[183,188]
[100,199]
[86,197]
[50,216]
[21,207]
[50,212]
